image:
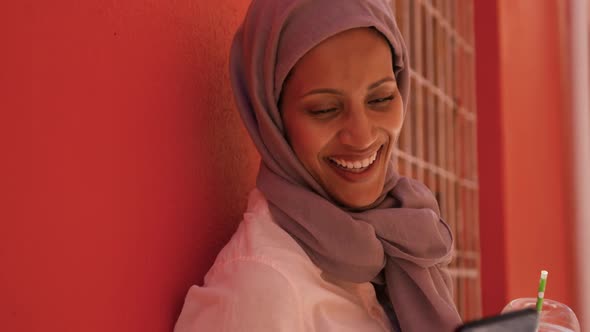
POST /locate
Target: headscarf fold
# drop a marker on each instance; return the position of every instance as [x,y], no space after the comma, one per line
[399,241]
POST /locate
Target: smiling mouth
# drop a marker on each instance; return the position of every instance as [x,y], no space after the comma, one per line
[357,166]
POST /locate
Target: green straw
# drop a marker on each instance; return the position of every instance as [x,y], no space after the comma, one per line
[541,294]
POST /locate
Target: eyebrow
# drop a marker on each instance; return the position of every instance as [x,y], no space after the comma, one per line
[338,92]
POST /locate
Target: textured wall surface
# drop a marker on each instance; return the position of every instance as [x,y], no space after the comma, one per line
[141,166]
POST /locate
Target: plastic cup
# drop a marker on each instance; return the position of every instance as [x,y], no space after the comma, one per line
[555,316]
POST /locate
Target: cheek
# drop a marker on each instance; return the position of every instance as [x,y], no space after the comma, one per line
[396,123]
[307,140]
[393,123]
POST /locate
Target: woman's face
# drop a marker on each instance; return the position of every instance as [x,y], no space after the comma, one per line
[342,113]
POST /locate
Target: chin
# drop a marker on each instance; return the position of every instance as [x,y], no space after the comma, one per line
[356,200]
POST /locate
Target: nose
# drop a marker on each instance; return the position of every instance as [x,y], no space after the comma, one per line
[358,130]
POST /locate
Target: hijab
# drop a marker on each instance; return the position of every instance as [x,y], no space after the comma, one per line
[400,243]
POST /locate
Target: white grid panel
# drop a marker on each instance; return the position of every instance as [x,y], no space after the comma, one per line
[437,144]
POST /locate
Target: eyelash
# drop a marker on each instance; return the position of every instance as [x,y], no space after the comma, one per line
[322,112]
[372,102]
[381,100]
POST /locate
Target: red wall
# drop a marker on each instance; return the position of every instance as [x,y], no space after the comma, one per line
[140,164]
[522,107]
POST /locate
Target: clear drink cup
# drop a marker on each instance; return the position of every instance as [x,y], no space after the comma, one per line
[555,316]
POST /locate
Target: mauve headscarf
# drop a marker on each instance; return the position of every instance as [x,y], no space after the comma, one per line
[399,242]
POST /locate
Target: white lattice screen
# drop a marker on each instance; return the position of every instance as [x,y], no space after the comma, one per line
[438,142]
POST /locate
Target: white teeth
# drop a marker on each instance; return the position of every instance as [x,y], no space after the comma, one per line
[356,164]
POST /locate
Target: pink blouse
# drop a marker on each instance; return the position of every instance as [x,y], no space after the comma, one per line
[262,280]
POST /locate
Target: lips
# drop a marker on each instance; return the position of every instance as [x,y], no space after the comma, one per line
[356,174]
[354,164]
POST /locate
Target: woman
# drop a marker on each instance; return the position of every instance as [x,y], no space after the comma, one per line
[333,239]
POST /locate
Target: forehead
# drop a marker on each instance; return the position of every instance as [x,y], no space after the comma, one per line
[355,54]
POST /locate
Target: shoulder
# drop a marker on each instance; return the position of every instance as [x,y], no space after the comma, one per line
[245,294]
[259,240]
[255,282]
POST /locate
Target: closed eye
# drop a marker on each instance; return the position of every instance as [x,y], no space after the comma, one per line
[381,100]
[325,111]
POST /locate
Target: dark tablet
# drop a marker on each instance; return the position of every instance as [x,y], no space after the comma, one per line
[522,321]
